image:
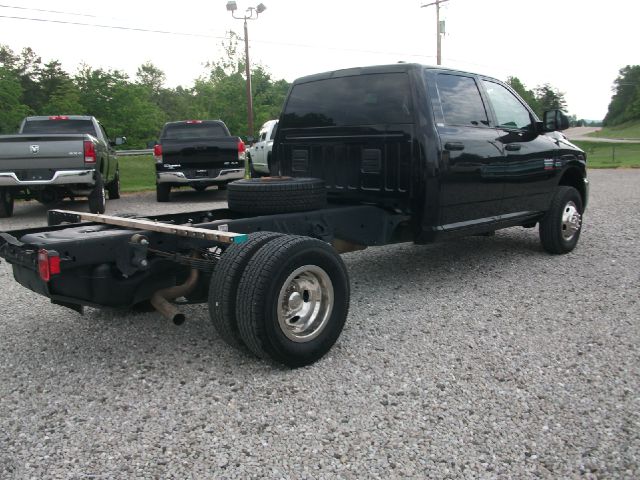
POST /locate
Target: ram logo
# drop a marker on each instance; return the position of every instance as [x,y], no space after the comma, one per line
[34,148]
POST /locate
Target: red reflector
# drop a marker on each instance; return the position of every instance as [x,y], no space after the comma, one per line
[48,264]
[157,150]
[89,152]
[194,121]
[59,117]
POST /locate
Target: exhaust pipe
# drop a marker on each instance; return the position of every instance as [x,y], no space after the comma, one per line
[161,300]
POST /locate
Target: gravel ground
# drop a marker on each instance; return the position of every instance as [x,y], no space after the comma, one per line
[479,358]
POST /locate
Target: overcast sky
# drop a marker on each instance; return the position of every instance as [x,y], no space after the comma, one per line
[578,46]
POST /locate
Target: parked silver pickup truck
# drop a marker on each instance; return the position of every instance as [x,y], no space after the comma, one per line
[55,157]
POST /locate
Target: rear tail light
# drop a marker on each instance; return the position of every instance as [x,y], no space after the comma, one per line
[89,152]
[59,117]
[48,264]
[157,153]
[242,151]
[193,121]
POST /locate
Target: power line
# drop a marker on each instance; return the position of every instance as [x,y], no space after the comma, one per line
[115,27]
[167,32]
[50,11]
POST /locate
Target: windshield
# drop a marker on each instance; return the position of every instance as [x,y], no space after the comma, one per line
[194,130]
[59,126]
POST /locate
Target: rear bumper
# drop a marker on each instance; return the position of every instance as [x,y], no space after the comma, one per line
[180,178]
[61,177]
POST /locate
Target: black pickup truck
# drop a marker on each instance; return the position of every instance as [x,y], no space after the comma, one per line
[368,156]
[197,153]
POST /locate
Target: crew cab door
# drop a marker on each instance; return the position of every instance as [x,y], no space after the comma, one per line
[529,165]
[470,189]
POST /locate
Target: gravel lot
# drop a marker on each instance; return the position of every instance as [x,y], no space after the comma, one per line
[480,358]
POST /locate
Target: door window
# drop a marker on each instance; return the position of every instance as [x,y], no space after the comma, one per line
[461,101]
[510,113]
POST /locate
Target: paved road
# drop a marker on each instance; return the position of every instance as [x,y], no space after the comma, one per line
[581,133]
[479,358]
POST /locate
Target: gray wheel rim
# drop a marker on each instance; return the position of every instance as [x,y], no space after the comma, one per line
[305,303]
[571,221]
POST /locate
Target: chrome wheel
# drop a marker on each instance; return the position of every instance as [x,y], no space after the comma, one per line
[305,303]
[571,221]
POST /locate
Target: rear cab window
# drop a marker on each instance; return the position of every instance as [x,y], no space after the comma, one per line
[62,126]
[370,99]
[178,131]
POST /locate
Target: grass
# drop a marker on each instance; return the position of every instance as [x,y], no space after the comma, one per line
[137,173]
[611,155]
[630,130]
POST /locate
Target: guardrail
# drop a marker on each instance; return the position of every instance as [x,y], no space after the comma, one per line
[131,153]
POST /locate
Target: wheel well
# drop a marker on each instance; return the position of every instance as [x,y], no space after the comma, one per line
[573,177]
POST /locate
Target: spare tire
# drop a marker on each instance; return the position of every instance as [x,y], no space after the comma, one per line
[276,195]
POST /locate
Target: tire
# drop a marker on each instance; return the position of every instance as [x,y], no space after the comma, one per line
[224,285]
[98,197]
[315,280]
[276,195]
[163,192]
[6,203]
[199,188]
[114,187]
[561,226]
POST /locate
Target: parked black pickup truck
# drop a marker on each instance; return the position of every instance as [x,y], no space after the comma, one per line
[197,153]
[56,157]
[371,156]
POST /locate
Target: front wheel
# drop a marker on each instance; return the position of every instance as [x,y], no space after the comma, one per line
[98,197]
[6,203]
[292,300]
[561,226]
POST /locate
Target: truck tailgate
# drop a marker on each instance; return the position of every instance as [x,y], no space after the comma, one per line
[200,153]
[41,152]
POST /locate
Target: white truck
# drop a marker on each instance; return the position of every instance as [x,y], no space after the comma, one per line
[259,154]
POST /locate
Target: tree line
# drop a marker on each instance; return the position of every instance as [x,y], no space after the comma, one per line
[134,107]
[138,107]
[625,103]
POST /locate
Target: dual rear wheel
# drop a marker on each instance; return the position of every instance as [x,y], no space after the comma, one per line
[283,297]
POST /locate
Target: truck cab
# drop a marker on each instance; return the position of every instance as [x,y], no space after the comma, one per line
[259,154]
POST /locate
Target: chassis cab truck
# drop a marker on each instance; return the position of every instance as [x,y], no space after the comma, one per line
[367,156]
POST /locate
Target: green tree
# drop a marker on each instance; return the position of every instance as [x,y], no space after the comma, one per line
[625,103]
[12,111]
[549,98]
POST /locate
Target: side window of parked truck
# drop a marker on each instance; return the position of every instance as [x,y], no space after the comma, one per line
[510,113]
[461,101]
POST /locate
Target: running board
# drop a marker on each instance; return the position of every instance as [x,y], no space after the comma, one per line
[141,224]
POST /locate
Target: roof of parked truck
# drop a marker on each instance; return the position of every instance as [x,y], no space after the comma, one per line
[390,68]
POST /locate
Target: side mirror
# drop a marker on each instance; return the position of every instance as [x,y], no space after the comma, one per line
[554,120]
[121,140]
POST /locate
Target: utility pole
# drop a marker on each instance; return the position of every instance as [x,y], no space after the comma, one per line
[438,29]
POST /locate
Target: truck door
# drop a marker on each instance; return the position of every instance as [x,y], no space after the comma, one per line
[529,167]
[470,189]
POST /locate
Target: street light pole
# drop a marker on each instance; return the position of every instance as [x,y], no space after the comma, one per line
[438,32]
[248,73]
[248,15]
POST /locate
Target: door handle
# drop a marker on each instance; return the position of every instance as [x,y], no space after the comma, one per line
[453,146]
[512,147]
